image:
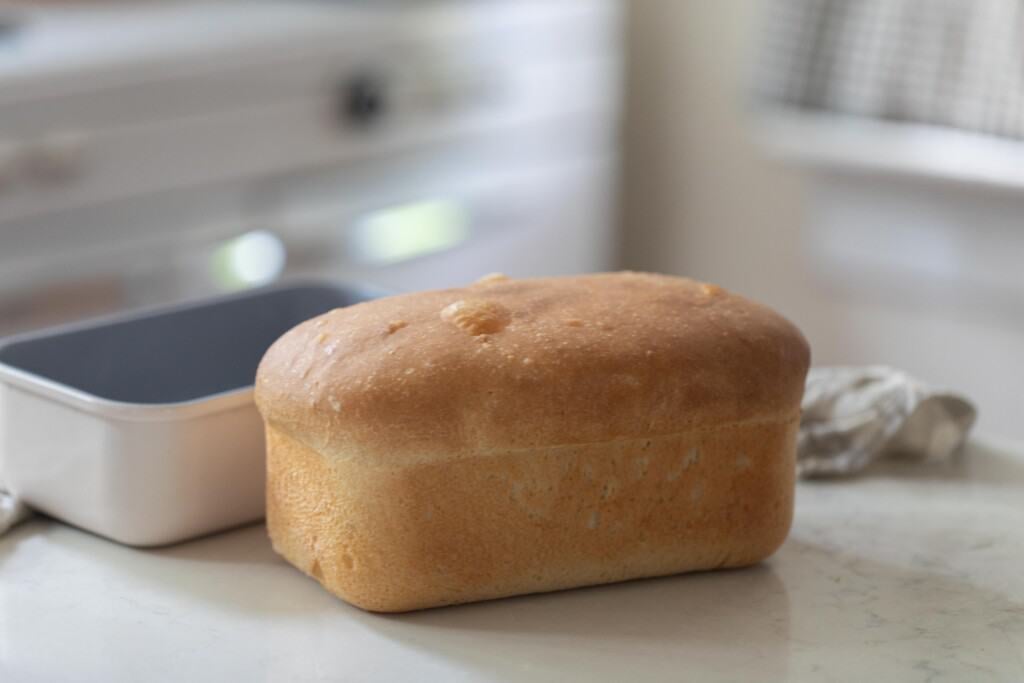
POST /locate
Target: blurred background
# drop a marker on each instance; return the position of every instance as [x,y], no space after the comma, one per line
[856,165]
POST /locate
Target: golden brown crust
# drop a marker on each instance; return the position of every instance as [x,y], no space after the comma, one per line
[395,538]
[525,364]
[522,436]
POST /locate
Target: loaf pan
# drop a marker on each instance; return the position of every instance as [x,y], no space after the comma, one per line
[141,428]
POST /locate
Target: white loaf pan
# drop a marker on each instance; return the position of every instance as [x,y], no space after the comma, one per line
[142,428]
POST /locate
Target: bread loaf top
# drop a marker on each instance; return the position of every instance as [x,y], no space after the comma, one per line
[510,364]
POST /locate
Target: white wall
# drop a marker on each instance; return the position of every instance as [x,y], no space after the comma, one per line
[694,180]
[701,199]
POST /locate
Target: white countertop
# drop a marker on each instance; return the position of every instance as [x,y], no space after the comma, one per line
[910,574]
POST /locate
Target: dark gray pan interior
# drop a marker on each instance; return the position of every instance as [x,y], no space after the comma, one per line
[181,355]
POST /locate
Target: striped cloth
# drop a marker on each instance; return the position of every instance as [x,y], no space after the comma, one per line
[957,63]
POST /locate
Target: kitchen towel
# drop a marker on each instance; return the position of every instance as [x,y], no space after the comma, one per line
[853,416]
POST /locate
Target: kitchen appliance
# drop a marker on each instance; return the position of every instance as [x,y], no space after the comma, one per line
[152,152]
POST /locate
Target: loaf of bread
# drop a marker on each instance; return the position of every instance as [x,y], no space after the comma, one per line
[518,436]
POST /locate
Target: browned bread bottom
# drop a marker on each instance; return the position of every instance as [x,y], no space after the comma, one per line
[396,538]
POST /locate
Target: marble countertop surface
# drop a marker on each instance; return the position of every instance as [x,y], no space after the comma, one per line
[910,573]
